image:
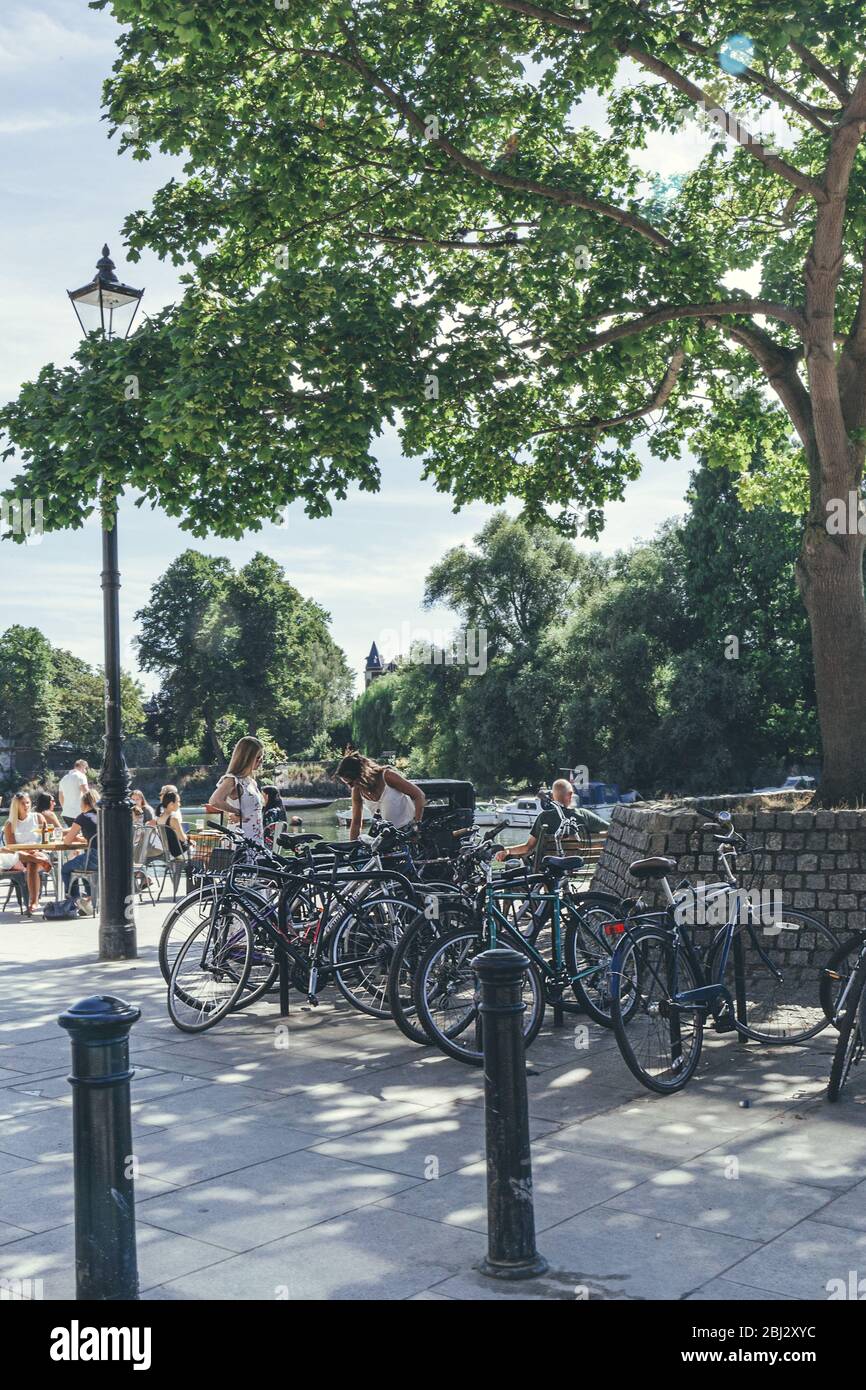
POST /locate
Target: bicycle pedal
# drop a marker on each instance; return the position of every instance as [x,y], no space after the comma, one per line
[313,1000]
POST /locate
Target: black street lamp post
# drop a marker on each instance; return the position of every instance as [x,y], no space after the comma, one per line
[110,308]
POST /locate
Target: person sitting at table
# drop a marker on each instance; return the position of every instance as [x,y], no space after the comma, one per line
[169,819]
[45,808]
[25,827]
[142,811]
[84,827]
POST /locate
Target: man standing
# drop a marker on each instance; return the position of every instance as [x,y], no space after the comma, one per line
[547,823]
[70,790]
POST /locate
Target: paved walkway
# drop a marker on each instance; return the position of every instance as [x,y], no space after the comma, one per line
[330,1158]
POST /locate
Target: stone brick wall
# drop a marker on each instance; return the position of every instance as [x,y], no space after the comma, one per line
[816,858]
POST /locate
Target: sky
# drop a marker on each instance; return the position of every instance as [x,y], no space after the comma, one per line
[64,190]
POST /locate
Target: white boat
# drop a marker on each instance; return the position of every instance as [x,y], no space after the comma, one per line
[518,814]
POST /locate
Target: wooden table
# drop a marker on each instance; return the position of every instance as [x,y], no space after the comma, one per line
[55,851]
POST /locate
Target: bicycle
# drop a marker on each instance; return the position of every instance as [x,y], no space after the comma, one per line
[445,992]
[211,971]
[664,992]
[850,1018]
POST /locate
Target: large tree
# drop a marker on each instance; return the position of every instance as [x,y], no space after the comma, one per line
[28,717]
[239,646]
[182,639]
[399,207]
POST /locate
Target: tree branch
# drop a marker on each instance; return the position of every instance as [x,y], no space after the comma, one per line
[824,74]
[563,196]
[671,312]
[658,399]
[680,83]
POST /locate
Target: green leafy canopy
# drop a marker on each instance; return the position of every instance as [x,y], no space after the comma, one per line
[394,211]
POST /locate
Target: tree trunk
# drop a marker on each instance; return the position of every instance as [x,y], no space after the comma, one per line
[830,575]
[212,735]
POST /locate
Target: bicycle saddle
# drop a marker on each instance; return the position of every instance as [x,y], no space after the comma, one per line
[562,863]
[655,867]
[289,841]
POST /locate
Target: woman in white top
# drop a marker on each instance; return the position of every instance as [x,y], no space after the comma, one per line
[25,827]
[376,788]
[238,793]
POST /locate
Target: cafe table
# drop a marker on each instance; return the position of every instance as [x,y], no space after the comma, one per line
[54,850]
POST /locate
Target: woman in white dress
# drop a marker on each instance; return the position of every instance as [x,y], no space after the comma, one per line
[377,788]
[238,791]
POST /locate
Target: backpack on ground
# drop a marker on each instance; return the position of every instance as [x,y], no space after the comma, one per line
[61,911]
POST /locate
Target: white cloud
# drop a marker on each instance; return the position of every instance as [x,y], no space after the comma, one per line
[34,38]
[51,120]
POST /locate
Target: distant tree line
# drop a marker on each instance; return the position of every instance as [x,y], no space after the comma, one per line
[237,652]
[52,705]
[682,664]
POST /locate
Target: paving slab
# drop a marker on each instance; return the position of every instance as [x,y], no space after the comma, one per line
[816,1145]
[424,1142]
[563,1185]
[847,1210]
[181,1155]
[263,1202]
[44,1133]
[674,1127]
[370,1254]
[50,1256]
[603,1253]
[813,1260]
[747,1205]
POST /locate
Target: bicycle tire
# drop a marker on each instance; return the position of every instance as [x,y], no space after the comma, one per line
[586,924]
[417,937]
[203,1005]
[655,965]
[850,1022]
[175,930]
[786,995]
[449,958]
[362,979]
[836,972]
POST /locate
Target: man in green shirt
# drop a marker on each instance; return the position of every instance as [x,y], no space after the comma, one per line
[547,823]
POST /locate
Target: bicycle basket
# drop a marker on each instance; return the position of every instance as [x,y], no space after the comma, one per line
[208,856]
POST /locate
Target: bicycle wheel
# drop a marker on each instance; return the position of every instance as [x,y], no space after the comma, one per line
[418,936]
[195,908]
[784,960]
[210,971]
[660,1041]
[834,976]
[447,997]
[362,949]
[591,937]
[850,1024]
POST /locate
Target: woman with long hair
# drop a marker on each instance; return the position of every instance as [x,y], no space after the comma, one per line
[169,818]
[25,827]
[44,806]
[237,792]
[378,788]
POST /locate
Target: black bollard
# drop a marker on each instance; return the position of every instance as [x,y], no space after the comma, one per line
[106,1268]
[511,1252]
